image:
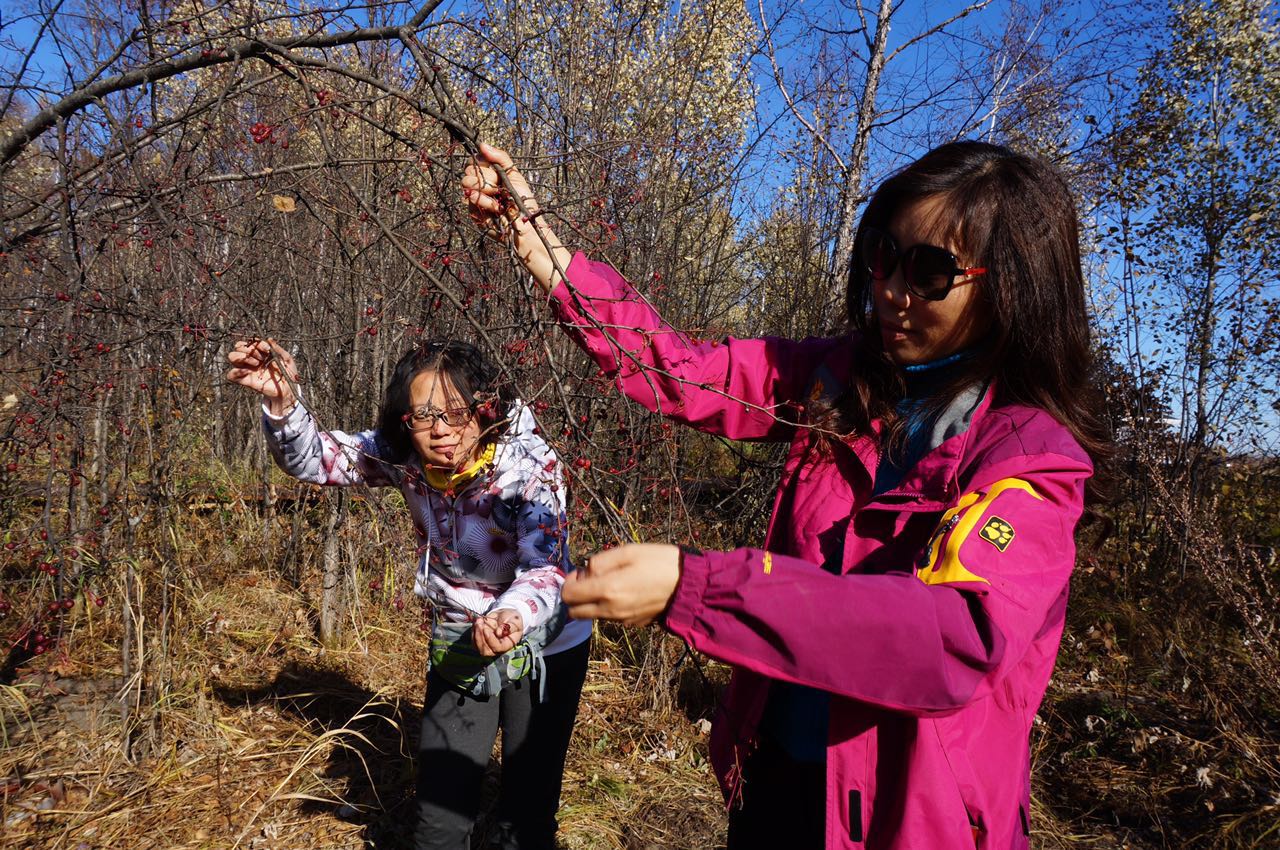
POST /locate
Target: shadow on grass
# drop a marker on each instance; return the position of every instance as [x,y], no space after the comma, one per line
[699,687]
[372,768]
[372,771]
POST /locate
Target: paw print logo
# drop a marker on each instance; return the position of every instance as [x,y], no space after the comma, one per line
[997,532]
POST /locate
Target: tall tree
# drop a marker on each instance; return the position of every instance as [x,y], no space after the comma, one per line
[1196,183]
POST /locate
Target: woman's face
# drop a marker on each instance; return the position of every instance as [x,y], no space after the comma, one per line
[915,330]
[438,443]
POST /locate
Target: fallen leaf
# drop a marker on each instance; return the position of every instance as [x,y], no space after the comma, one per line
[283,203]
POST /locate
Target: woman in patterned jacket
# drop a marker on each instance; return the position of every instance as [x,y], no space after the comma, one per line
[487,499]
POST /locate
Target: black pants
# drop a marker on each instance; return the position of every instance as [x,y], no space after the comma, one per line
[458,731]
[783,803]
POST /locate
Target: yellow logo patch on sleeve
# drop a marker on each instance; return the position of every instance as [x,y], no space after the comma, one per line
[997,532]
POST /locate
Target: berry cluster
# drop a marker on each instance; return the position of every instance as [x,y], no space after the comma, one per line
[261,132]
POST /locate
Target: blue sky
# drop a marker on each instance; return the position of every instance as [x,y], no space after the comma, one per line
[922,72]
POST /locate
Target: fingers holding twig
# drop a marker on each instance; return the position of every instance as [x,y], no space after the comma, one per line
[498,632]
[491,183]
[503,207]
[632,584]
[264,367]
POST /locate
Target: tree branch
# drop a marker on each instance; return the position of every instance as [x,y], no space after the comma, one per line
[48,117]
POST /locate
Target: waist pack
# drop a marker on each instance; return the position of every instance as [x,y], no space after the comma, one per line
[455,659]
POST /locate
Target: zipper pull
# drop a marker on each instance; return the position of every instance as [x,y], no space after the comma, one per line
[923,560]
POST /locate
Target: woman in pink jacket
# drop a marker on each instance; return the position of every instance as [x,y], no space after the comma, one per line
[895,635]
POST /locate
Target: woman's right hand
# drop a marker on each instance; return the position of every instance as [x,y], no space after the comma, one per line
[261,365]
[496,213]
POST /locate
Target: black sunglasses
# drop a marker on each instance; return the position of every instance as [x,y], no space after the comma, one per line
[929,272]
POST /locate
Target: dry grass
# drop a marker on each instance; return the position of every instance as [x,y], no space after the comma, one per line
[1151,735]
[248,733]
[264,739]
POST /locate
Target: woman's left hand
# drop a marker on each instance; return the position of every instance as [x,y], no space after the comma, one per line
[632,584]
[498,631]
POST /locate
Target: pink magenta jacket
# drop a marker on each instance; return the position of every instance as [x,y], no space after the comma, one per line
[937,635]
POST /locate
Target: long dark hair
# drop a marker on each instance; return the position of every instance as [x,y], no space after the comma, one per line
[1014,215]
[474,376]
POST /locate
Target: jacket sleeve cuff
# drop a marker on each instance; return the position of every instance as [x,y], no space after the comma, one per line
[521,607]
[686,605]
[288,426]
[588,281]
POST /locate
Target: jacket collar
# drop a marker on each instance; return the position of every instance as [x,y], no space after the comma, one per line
[444,481]
[933,483]
[938,471]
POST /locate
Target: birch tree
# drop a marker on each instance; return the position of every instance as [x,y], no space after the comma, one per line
[1196,184]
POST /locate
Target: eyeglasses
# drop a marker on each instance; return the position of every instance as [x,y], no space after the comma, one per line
[424,418]
[929,272]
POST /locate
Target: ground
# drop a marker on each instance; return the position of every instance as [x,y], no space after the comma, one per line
[249,733]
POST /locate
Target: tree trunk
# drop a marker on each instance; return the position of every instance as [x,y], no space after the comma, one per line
[855,174]
[331,590]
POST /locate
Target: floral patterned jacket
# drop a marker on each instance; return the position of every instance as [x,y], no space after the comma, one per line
[501,541]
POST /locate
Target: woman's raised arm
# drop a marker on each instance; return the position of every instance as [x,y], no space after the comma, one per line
[736,388]
[299,446]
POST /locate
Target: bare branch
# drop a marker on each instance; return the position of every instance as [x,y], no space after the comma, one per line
[771,52]
[48,117]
